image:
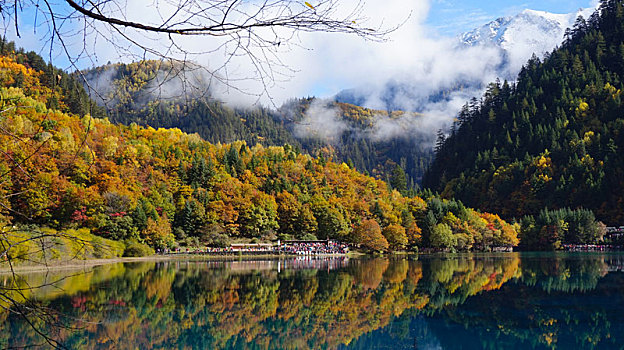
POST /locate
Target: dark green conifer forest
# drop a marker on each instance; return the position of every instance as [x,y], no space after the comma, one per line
[552,139]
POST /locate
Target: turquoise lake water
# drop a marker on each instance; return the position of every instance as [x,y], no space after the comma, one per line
[488,301]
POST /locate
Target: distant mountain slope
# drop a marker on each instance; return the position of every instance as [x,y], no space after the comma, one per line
[371,141]
[380,143]
[153,93]
[553,139]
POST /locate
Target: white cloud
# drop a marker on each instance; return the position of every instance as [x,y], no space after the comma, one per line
[321,121]
[416,56]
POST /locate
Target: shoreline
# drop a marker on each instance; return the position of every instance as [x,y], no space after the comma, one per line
[71,264]
[80,264]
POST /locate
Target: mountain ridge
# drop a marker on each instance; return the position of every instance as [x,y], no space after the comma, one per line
[369,140]
[527,33]
[496,31]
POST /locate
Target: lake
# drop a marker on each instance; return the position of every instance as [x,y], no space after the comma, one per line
[486,301]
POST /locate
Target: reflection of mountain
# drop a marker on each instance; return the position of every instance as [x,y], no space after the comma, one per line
[376,303]
[518,316]
[564,302]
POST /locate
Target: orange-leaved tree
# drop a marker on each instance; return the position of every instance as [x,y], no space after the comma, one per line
[368,235]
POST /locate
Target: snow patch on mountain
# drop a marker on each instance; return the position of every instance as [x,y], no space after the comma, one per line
[520,36]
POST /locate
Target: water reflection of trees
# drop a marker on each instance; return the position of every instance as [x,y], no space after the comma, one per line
[452,280]
[570,274]
[567,302]
[520,316]
[168,305]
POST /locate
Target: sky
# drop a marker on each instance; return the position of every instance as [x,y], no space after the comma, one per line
[320,64]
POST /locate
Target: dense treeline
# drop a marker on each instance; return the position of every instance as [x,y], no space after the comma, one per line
[552,228]
[553,138]
[141,93]
[162,186]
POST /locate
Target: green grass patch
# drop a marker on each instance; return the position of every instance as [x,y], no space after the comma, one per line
[41,245]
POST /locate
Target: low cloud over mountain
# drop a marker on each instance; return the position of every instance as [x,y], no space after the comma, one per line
[456,69]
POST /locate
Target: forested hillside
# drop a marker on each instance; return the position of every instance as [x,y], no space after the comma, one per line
[65,93]
[399,156]
[146,93]
[552,139]
[163,187]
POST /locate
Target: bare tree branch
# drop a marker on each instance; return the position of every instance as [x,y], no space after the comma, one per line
[234,32]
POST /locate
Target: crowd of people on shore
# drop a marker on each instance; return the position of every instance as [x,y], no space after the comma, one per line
[591,247]
[313,248]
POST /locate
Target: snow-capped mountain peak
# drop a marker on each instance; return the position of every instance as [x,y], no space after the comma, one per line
[527,33]
[528,26]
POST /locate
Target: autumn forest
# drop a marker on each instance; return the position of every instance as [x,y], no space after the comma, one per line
[544,172]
